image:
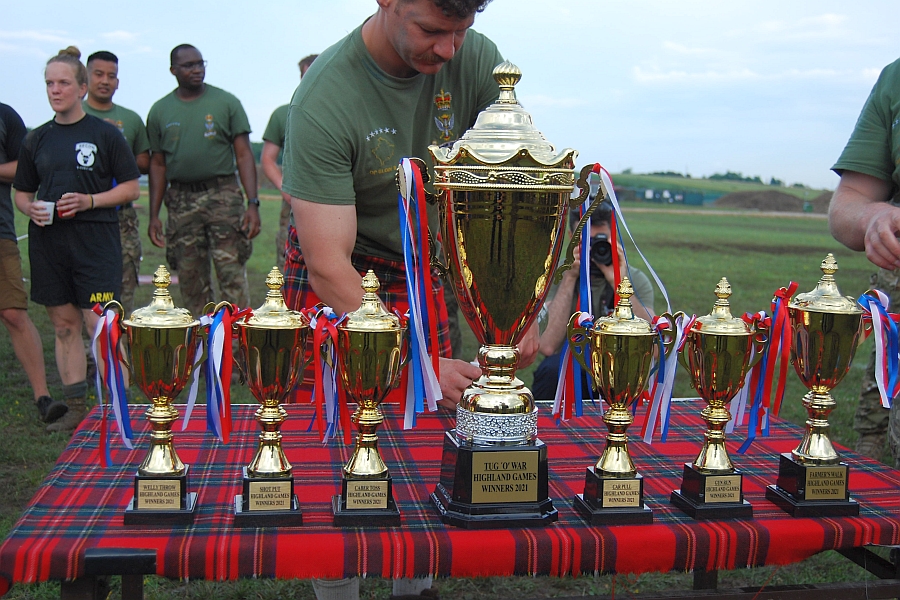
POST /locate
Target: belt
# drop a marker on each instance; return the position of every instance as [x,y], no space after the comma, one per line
[205,185]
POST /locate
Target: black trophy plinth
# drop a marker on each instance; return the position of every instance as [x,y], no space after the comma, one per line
[267,502]
[365,503]
[161,500]
[706,496]
[812,490]
[484,487]
[612,500]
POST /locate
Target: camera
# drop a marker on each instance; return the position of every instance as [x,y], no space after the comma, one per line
[601,250]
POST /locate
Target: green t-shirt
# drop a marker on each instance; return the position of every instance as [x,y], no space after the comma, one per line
[197,136]
[127,121]
[275,129]
[350,123]
[874,146]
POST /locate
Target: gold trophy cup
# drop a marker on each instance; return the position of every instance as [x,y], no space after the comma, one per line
[503,193]
[369,343]
[162,343]
[717,354]
[272,347]
[621,348]
[825,331]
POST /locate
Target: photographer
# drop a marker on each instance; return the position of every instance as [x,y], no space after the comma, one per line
[564,300]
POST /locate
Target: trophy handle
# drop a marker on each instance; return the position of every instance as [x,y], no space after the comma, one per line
[668,334]
[585,188]
[760,339]
[121,350]
[435,262]
[579,340]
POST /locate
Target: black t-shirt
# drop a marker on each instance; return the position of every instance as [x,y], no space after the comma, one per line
[85,157]
[12,132]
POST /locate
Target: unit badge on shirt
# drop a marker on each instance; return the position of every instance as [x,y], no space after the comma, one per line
[382,148]
[210,127]
[85,154]
[444,121]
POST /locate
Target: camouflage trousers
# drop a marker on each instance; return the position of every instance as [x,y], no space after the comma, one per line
[871,417]
[202,227]
[284,221]
[131,254]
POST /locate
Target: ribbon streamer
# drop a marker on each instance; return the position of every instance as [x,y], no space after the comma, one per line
[219,364]
[106,348]
[328,395]
[664,383]
[568,397]
[887,346]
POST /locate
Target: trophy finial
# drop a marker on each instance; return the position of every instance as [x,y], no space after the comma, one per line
[829,265]
[625,291]
[370,282]
[162,278]
[274,280]
[507,75]
[723,289]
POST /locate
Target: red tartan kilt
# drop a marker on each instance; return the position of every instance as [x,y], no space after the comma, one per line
[298,295]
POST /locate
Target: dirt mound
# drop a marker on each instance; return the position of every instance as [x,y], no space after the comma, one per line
[773,200]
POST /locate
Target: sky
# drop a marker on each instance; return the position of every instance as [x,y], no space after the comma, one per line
[767,88]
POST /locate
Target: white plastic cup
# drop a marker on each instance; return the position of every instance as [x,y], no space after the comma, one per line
[48,208]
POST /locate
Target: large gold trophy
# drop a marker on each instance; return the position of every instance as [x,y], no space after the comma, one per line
[621,348]
[162,343]
[503,193]
[272,343]
[369,343]
[718,352]
[825,331]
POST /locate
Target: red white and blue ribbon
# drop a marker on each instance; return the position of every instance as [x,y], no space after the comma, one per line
[664,382]
[219,365]
[749,398]
[423,380]
[329,396]
[106,347]
[875,305]
[199,356]
[567,401]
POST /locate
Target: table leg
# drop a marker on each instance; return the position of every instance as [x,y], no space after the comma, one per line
[706,580]
[85,588]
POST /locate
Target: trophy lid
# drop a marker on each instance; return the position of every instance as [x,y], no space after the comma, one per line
[371,315]
[720,320]
[826,297]
[503,132]
[622,320]
[274,313]
[161,312]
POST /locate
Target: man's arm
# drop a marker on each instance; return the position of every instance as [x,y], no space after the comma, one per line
[157,183]
[143,162]
[559,313]
[861,218]
[8,171]
[74,202]
[269,161]
[247,170]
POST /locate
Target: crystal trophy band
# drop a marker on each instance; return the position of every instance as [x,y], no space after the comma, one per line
[503,194]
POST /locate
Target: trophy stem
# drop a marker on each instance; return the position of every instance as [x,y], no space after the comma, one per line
[366,461]
[816,447]
[713,457]
[615,460]
[162,458]
[269,460]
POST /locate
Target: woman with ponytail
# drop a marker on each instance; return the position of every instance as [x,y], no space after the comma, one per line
[72,173]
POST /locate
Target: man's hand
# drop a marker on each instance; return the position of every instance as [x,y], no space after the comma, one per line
[882,229]
[529,344]
[860,217]
[155,232]
[608,272]
[456,376]
[250,221]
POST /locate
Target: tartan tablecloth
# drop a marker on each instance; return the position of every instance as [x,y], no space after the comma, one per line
[81,504]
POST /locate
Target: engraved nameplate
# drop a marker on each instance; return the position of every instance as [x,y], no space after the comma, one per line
[621,493]
[722,488]
[826,483]
[158,494]
[500,477]
[366,494]
[269,495]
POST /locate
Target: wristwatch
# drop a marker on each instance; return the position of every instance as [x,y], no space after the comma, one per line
[253,202]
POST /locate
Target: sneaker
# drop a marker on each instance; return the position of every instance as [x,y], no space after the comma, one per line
[50,409]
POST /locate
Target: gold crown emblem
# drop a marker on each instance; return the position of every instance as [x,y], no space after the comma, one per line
[442,100]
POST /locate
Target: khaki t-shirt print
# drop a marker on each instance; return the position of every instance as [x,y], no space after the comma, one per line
[381,147]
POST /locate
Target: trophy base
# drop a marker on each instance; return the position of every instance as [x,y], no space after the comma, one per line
[365,503]
[485,487]
[705,496]
[812,490]
[161,499]
[612,500]
[266,502]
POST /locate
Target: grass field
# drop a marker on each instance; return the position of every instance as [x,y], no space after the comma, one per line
[722,186]
[690,251]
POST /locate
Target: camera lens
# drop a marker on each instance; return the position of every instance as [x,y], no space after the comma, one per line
[601,250]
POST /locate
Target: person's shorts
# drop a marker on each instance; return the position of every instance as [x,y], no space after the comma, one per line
[75,262]
[12,290]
